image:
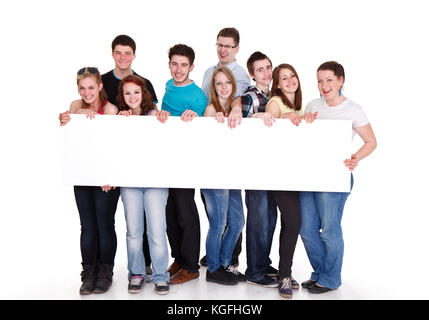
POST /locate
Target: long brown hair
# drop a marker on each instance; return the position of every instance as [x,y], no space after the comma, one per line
[146,105]
[275,91]
[88,72]
[214,99]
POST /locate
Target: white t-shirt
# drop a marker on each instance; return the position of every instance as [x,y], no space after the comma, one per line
[348,110]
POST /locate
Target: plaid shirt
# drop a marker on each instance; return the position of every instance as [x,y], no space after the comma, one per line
[253,101]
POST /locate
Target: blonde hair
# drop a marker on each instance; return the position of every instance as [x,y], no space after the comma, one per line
[214,100]
[91,72]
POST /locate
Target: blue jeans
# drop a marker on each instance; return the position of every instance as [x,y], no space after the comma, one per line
[260,226]
[150,202]
[321,233]
[224,207]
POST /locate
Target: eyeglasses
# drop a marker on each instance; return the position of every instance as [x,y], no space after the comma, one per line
[227,47]
[91,70]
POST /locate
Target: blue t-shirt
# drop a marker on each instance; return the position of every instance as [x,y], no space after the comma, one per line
[178,99]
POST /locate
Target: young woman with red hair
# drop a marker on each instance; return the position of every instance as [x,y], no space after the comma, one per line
[135,100]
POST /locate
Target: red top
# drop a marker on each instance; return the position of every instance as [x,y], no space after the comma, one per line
[101,108]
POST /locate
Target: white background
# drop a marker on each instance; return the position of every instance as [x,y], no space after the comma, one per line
[381,44]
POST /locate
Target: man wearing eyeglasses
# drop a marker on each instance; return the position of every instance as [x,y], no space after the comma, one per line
[228,40]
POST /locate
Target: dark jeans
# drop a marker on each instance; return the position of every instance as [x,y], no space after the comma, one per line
[260,226]
[146,252]
[288,204]
[97,218]
[237,248]
[183,228]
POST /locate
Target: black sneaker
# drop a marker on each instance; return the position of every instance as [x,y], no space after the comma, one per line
[234,262]
[237,274]
[221,276]
[203,261]
[162,287]
[307,284]
[271,271]
[285,288]
[294,283]
[266,282]
[135,285]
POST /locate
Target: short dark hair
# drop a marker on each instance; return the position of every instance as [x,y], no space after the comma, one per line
[335,67]
[182,50]
[256,56]
[124,40]
[230,33]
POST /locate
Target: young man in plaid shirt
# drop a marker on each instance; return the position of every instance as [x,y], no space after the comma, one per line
[255,98]
[261,208]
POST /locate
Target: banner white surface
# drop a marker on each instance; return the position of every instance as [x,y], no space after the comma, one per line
[142,152]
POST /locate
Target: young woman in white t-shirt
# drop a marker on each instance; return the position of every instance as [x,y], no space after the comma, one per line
[323,210]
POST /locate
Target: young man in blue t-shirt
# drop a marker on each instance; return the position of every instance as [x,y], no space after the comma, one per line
[185,99]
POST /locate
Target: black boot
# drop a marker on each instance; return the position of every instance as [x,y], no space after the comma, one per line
[104,277]
[88,279]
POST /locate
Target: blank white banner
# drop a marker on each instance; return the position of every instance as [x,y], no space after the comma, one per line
[140,151]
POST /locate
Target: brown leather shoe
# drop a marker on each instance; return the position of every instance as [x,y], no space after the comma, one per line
[184,276]
[174,268]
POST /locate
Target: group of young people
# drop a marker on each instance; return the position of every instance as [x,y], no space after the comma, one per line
[154,215]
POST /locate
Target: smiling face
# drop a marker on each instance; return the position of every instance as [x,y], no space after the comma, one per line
[329,84]
[226,50]
[288,81]
[223,86]
[123,56]
[89,89]
[132,95]
[263,72]
[180,69]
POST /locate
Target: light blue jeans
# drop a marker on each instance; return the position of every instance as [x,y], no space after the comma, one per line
[152,202]
[321,233]
[224,207]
